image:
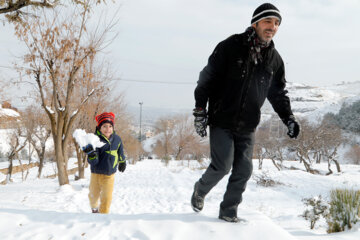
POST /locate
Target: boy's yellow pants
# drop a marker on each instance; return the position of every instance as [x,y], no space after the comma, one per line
[101,187]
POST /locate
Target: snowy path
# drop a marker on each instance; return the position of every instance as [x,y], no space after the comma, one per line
[149,202]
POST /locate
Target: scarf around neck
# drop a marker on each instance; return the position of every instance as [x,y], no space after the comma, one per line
[255,45]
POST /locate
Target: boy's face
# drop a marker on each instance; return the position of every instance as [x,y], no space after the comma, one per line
[107,129]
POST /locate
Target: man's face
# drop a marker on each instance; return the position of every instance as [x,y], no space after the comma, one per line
[266,28]
[107,129]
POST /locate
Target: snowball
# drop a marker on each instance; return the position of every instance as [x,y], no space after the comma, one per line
[83,139]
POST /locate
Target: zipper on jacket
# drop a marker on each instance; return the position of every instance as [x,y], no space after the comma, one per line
[244,91]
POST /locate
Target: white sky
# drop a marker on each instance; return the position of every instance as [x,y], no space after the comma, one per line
[170,41]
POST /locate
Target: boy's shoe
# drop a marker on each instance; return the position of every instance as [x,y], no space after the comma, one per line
[95,210]
[197,199]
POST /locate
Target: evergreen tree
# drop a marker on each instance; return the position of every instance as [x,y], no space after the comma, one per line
[347,118]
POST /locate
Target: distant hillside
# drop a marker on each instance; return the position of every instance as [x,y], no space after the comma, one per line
[151,114]
[314,102]
[306,101]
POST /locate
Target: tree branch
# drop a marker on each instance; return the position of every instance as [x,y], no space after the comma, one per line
[17,5]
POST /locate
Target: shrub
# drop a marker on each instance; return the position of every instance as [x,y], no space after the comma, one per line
[344,209]
[315,208]
[265,180]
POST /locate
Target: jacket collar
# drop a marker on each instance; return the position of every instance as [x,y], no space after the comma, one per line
[247,43]
[98,133]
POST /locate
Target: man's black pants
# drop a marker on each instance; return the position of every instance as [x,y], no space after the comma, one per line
[234,150]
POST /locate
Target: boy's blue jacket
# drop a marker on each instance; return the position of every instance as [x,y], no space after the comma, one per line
[108,156]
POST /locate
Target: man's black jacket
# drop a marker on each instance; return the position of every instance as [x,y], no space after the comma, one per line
[236,88]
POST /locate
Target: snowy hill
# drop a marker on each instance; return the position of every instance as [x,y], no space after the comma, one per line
[306,101]
[314,102]
[151,201]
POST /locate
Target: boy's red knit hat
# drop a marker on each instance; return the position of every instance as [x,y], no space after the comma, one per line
[106,117]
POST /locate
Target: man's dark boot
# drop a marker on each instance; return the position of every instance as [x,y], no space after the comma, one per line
[229,214]
[95,210]
[197,199]
[229,219]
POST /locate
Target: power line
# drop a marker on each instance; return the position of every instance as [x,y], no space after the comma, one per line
[6,67]
[150,81]
[132,80]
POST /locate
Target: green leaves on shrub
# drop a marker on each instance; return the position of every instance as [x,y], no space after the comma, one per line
[344,209]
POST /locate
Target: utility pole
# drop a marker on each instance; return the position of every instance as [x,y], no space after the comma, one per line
[140,103]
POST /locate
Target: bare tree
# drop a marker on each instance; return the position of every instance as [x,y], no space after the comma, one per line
[61,53]
[185,136]
[316,142]
[259,148]
[305,145]
[354,154]
[164,146]
[17,140]
[177,138]
[186,141]
[38,132]
[330,138]
[10,6]
[13,9]
[270,143]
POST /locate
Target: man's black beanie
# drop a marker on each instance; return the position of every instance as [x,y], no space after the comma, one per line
[265,10]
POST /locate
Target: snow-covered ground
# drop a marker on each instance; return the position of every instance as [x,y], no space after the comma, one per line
[151,201]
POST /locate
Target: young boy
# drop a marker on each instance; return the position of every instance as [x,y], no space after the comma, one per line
[104,162]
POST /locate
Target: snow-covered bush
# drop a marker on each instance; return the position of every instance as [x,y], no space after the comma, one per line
[344,209]
[265,180]
[315,208]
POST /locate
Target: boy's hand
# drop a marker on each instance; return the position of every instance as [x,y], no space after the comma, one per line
[89,150]
[122,166]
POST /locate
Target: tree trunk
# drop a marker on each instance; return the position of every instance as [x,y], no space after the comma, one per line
[275,164]
[317,157]
[41,164]
[22,169]
[337,164]
[177,157]
[260,163]
[329,167]
[60,162]
[81,160]
[307,165]
[10,168]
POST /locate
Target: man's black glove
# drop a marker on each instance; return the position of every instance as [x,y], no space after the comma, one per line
[200,121]
[122,166]
[89,150]
[293,127]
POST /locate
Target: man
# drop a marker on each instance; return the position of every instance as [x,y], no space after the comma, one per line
[242,71]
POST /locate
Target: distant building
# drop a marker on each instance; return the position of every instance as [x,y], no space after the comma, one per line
[8,115]
[149,133]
